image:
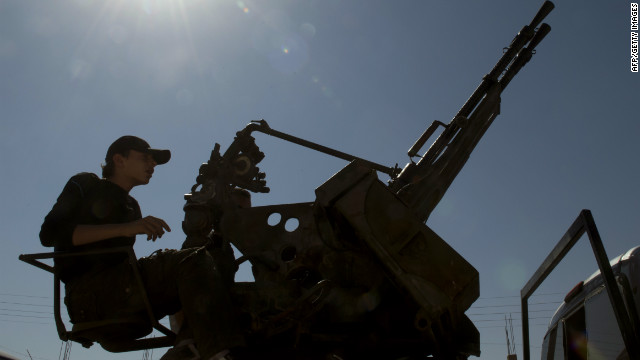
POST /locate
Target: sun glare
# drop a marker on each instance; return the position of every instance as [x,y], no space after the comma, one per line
[161,6]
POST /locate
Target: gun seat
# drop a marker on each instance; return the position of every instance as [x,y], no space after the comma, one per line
[114,335]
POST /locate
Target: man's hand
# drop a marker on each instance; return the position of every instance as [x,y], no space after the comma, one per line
[87,234]
[153,227]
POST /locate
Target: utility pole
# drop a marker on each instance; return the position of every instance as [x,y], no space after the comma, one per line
[511,343]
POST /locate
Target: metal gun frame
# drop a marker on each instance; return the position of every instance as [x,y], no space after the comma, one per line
[361,273]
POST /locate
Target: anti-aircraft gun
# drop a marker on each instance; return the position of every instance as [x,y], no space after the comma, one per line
[359,274]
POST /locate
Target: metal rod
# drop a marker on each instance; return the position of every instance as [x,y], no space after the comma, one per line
[559,251]
[263,127]
[631,341]
[525,327]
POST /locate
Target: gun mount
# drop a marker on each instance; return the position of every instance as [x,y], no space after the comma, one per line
[359,272]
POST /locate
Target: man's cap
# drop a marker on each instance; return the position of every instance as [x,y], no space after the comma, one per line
[130,142]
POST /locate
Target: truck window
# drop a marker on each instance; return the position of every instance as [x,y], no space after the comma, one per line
[575,341]
[552,348]
[605,340]
[558,349]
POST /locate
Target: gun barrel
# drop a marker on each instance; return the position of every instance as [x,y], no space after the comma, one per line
[524,36]
[423,184]
[544,30]
[524,56]
[545,9]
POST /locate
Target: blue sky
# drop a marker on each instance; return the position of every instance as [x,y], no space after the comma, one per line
[365,77]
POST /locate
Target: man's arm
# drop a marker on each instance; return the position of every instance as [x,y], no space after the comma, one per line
[151,226]
[60,226]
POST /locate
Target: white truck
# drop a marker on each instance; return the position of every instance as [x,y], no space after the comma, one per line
[598,318]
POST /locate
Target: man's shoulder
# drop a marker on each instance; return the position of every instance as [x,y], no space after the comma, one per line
[87,176]
[84,181]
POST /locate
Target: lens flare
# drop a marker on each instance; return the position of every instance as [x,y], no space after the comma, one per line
[242,6]
[289,52]
[511,274]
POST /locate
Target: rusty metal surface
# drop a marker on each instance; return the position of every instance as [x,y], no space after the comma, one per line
[355,251]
